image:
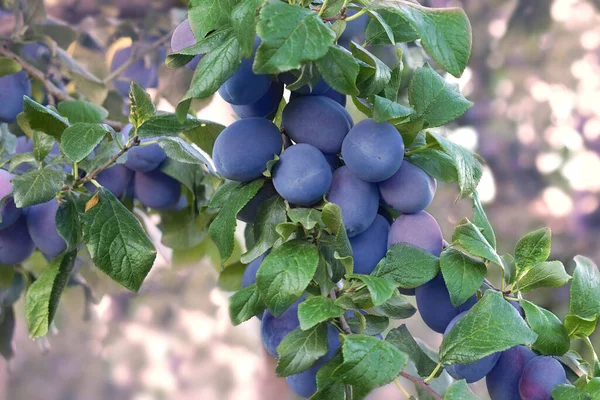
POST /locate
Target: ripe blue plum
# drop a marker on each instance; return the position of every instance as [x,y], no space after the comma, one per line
[145,158]
[245,87]
[156,190]
[249,276]
[42,228]
[265,106]
[317,120]
[302,176]
[15,243]
[503,380]
[8,210]
[184,37]
[274,329]
[374,152]
[116,179]
[540,375]
[304,384]
[420,229]
[355,29]
[410,190]
[358,200]
[242,151]
[248,213]
[435,307]
[336,96]
[474,371]
[143,74]
[14,87]
[369,247]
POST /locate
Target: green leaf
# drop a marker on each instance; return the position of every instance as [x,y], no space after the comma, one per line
[328,386]
[397,307]
[532,249]
[209,15]
[204,136]
[408,266]
[8,66]
[141,108]
[82,111]
[544,275]
[445,32]
[230,279]
[271,213]
[492,325]
[436,163]
[339,69]
[307,217]
[510,268]
[167,124]
[434,100]
[222,229]
[460,391]
[585,289]
[179,150]
[373,324]
[68,224]
[593,387]
[336,247]
[569,392]
[202,46]
[214,69]
[376,35]
[37,186]
[553,339]
[388,110]
[402,339]
[243,20]
[42,144]
[579,327]
[472,240]
[80,139]
[285,273]
[291,36]
[381,289]
[43,119]
[116,241]
[373,75]
[481,220]
[317,309]
[300,349]
[245,304]
[463,275]
[369,363]
[7,332]
[392,89]
[43,295]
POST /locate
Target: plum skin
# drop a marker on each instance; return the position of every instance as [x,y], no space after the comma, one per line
[503,380]
[302,175]
[410,190]
[14,87]
[184,37]
[540,375]
[249,276]
[156,190]
[41,223]
[369,247]
[274,329]
[421,230]
[138,71]
[265,106]
[16,245]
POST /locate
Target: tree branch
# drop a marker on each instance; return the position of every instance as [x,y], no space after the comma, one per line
[92,175]
[422,385]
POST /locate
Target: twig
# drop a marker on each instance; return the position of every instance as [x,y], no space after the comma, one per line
[135,56]
[343,323]
[422,385]
[92,175]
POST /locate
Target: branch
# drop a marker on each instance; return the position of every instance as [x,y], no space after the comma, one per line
[422,385]
[343,323]
[92,175]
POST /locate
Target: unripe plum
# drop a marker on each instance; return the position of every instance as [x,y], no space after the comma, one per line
[242,151]
[317,120]
[369,247]
[41,222]
[14,87]
[156,190]
[265,106]
[373,151]
[503,380]
[302,176]
[420,229]
[274,329]
[435,307]
[540,376]
[8,210]
[410,190]
[15,243]
[184,37]
[358,200]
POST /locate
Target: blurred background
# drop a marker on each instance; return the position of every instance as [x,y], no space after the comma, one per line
[534,77]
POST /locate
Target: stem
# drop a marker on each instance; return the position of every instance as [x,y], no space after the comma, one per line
[404,391]
[434,373]
[343,323]
[491,285]
[355,16]
[421,384]
[323,7]
[591,346]
[135,56]
[92,175]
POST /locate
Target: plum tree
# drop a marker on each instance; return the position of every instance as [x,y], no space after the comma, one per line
[471,372]
[184,37]
[369,247]
[435,307]
[503,380]
[540,375]
[8,210]
[249,276]
[14,87]
[317,120]
[16,245]
[248,213]
[41,223]
[265,106]
[157,190]
[420,229]
[273,329]
[410,190]
[358,200]
[302,175]
[304,384]
[243,149]
[373,151]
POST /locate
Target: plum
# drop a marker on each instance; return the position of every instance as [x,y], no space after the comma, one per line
[16,245]
[14,87]
[184,37]
[369,247]
[540,375]
[41,223]
[265,107]
[274,329]
[421,230]
[503,380]
[410,190]
[156,190]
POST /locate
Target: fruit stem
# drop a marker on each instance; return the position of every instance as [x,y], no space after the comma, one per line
[343,323]
[323,7]
[404,391]
[421,384]
[434,373]
[357,15]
